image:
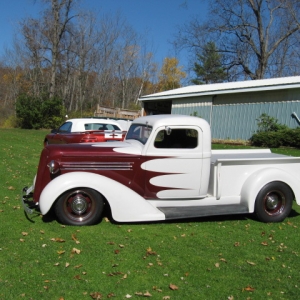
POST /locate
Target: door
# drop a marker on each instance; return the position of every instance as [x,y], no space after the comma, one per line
[173,164]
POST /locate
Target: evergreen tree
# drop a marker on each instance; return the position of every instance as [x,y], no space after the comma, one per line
[209,69]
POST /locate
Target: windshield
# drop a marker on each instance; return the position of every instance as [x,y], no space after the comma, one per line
[139,132]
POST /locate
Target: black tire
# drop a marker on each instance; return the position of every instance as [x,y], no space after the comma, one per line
[81,206]
[274,202]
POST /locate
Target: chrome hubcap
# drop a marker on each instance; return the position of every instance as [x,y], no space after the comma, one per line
[274,203]
[79,205]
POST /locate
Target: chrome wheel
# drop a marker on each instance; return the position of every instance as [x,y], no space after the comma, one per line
[79,207]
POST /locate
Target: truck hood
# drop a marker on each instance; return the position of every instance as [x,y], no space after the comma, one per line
[95,149]
[126,147]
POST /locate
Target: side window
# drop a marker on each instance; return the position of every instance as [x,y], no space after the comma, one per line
[178,138]
[112,127]
[66,127]
[100,126]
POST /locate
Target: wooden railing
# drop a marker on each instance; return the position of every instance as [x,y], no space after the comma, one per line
[102,111]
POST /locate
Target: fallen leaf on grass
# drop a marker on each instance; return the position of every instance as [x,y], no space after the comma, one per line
[115,274]
[75,239]
[78,266]
[128,296]
[251,263]
[24,233]
[58,240]
[75,251]
[60,252]
[67,264]
[11,188]
[173,287]
[110,295]
[150,252]
[22,240]
[147,294]
[96,295]
[249,288]
[264,243]
[217,265]
[166,297]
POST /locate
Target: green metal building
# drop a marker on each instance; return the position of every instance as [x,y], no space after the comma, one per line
[232,108]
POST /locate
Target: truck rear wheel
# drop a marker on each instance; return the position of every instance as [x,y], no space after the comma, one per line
[274,202]
[81,206]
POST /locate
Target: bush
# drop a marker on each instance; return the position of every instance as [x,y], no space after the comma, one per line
[11,122]
[271,134]
[266,123]
[36,113]
[274,139]
[268,139]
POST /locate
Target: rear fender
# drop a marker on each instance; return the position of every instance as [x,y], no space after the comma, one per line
[125,204]
[260,178]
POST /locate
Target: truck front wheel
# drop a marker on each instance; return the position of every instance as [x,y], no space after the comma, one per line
[274,202]
[80,206]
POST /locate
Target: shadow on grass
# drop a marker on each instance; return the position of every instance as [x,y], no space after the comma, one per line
[50,217]
[203,219]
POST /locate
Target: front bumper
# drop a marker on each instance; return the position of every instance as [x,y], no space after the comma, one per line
[29,205]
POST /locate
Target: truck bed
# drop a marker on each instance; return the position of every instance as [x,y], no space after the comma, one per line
[230,168]
[234,155]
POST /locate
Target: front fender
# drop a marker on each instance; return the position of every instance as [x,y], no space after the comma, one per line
[260,178]
[125,204]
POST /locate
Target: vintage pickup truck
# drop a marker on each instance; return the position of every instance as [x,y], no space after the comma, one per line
[164,169]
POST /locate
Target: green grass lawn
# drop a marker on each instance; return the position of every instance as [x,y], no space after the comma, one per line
[232,257]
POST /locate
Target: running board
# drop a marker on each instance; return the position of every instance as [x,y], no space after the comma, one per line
[183,212]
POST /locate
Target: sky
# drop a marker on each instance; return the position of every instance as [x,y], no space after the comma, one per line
[159,19]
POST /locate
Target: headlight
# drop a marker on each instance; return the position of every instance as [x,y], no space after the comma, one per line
[53,166]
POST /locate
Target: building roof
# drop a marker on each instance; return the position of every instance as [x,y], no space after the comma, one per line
[227,88]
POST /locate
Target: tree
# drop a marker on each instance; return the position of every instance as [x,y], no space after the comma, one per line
[77,56]
[170,74]
[47,39]
[256,37]
[209,69]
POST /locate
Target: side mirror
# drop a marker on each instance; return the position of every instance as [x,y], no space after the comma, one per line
[168,130]
[54,131]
